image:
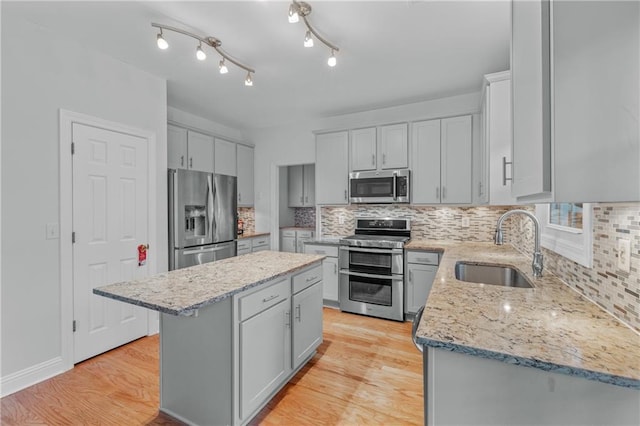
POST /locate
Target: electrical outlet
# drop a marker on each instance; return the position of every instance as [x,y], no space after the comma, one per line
[53,231]
[465,222]
[624,255]
[341,220]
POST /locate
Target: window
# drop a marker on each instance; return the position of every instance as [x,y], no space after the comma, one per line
[566,229]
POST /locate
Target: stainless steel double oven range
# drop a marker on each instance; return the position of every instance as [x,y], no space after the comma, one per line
[372,268]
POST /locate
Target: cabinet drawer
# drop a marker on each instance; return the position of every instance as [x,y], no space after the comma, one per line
[260,241]
[288,233]
[305,234]
[244,245]
[263,299]
[307,278]
[422,257]
[331,251]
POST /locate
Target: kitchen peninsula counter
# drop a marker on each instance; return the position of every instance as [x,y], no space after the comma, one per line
[551,326]
[479,341]
[183,291]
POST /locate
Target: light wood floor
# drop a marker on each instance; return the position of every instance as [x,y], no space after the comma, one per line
[366,372]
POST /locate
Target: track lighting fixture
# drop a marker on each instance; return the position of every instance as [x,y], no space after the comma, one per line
[302,9]
[201,55]
[223,67]
[248,81]
[162,43]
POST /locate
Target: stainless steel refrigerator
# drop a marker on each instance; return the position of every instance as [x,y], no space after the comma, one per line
[202,217]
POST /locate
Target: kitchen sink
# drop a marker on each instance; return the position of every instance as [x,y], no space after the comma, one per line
[491,274]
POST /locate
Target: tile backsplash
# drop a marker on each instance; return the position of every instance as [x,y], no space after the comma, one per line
[615,291]
[248,216]
[305,217]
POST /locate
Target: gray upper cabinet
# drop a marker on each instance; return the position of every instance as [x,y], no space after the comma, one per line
[575,101]
[382,148]
[225,157]
[332,166]
[302,185]
[187,149]
[245,166]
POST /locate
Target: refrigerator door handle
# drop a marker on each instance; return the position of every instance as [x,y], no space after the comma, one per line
[209,207]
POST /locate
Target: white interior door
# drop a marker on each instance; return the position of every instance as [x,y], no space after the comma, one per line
[110,214]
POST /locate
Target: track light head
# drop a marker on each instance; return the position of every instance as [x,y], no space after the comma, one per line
[332,61]
[248,81]
[223,67]
[200,53]
[293,14]
[308,40]
[162,43]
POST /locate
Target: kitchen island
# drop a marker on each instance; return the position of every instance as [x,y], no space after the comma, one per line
[543,355]
[232,332]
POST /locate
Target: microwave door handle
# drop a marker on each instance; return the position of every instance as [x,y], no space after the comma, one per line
[395,187]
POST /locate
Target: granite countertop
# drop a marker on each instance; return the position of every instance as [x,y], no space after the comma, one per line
[253,235]
[551,326]
[183,291]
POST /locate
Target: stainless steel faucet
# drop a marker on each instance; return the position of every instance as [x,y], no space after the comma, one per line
[538,261]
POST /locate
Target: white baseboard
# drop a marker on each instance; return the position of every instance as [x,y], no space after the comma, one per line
[30,376]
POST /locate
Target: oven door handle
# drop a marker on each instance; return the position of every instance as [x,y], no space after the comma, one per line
[363,275]
[395,186]
[371,250]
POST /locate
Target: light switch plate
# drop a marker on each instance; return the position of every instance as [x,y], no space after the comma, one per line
[465,222]
[624,255]
[53,231]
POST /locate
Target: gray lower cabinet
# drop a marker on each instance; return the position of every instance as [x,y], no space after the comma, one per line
[292,240]
[253,244]
[330,277]
[421,270]
[224,364]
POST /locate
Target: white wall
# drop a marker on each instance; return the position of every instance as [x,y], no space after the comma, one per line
[295,144]
[41,73]
[186,119]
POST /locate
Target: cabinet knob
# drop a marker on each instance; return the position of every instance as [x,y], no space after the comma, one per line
[239,196]
[444,192]
[191,162]
[182,160]
[345,195]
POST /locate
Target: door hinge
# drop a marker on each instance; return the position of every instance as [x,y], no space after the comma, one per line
[74,326]
[73,238]
[73,148]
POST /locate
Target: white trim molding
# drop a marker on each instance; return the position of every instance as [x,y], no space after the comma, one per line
[570,243]
[67,118]
[30,376]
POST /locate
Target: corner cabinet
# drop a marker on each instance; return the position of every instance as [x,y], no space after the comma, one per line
[422,267]
[573,121]
[332,164]
[245,167]
[330,276]
[191,150]
[441,161]
[382,148]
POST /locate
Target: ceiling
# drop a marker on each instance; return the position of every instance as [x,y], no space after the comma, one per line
[391,52]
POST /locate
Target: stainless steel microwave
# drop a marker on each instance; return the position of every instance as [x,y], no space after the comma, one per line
[379,187]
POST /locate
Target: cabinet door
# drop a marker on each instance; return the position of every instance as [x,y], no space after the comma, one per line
[456,160]
[330,279]
[596,95]
[245,176]
[393,147]
[225,158]
[499,137]
[307,323]
[309,182]
[419,284]
[200,149]
[288,244]
[296,186]
[425,162]
[332,168]
[531,97]
[363,149]
[176,147]
[265,351]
